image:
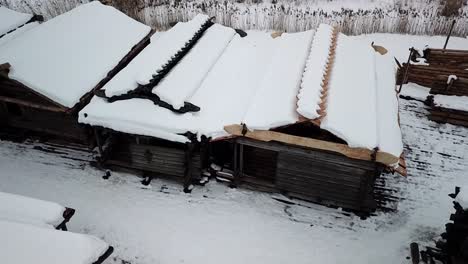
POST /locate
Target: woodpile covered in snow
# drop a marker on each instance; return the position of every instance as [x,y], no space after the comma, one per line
[445,73]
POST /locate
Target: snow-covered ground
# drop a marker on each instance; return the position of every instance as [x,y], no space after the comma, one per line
[216,224]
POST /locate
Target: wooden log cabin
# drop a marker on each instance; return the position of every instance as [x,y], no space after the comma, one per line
[277,119]
[48,73]
[134,139]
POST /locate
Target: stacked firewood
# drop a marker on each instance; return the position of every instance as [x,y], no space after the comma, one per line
[434,76]
[451,58]
[452,248]
[445,72]
[434,70]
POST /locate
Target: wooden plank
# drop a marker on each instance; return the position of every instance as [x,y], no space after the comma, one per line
[354,153]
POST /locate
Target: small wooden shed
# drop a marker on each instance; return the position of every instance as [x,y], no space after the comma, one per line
[48,73]
[128,115]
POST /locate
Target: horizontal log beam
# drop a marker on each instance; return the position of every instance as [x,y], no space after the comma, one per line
[354,153]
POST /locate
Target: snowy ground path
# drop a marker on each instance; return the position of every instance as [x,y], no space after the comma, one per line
[216,224]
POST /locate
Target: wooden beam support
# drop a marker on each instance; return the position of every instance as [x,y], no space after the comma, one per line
[188,174]
[354,153]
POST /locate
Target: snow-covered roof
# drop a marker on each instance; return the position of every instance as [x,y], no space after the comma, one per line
[351,101]
[23,209]
[313,80]
[18,32]
[224,95]
[163,48]
[10,20]
[24,243]
[262,82]
[65,57]
[359,103]
[274,104]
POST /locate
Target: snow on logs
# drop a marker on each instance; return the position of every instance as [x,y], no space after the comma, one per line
[77,50]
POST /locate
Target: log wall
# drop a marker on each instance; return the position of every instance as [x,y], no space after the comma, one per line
[157,157]
[444,115]
[42,123]
[317,176]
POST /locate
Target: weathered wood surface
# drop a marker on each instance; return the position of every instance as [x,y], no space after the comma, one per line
[313,175]
[426,75]
[451,58]
[454,87]
[165,160]
[444,115]
[12,90]
[354,153]
[43,123]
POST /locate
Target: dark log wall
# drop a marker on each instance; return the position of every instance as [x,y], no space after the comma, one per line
[46,124]
[14,89]
[322,177]
[327,179]
[427,17]
[260,163]
[427,75]
[162,159]
[444,115]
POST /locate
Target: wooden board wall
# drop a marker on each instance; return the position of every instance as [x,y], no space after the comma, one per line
[43,123]
[314,175]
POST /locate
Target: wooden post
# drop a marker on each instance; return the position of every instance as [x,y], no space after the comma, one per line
[98,142]
[449,34]
[204,153]
[235,164]
[188,166]
[405,76]
[240,171]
